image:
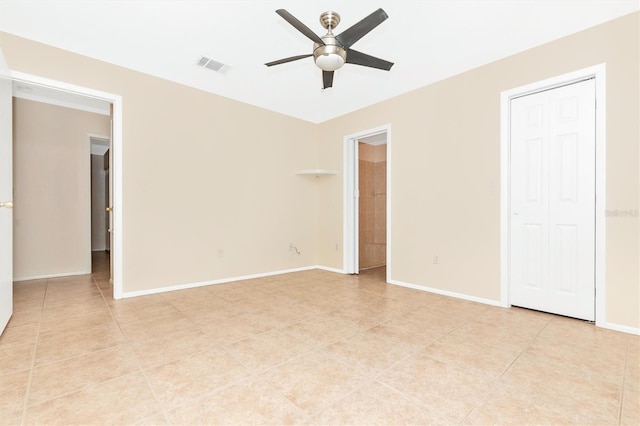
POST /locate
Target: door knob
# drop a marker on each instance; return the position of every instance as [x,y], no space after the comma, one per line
[108,209]
[516,212]
[6,204]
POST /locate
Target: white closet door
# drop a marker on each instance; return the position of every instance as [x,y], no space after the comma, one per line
[552,193]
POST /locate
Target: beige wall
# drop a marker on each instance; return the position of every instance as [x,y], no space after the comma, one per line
[190,188]
[51,178]
[201,173]
[445,168]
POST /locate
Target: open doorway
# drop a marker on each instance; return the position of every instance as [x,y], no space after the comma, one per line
[367,170]
[51,187]
[100,231]
[372,203]
[64,94]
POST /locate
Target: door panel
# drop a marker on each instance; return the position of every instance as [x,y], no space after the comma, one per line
[553,193]
[6,196]
[533,256]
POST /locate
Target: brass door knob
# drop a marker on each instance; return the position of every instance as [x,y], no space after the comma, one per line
[6,204]
[108,209]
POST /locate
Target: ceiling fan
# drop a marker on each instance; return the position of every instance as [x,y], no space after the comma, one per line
[330,52]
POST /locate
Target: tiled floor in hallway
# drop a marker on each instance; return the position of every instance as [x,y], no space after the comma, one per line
[312,348]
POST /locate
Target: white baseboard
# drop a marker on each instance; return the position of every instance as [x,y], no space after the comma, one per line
[212,282]
[330,269]
[608,325]
[622,328]
[44,277]
[447,293]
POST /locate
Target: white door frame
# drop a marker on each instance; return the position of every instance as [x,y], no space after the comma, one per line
[351,195]
[599,73]
[115,157]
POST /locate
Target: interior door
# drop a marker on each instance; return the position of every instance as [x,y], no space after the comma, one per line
[552,196]
[109,195]
[107,202]
[6,197]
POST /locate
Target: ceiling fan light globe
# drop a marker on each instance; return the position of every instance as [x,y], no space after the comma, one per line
[329,61]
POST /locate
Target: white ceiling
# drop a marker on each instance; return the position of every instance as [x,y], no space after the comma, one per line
[428,40]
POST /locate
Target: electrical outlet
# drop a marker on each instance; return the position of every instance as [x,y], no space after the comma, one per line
[337,246]
[435,259]
[220,253]
[290,246]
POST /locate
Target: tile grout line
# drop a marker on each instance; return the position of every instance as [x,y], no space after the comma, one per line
[624,380]
[136,359]
[66,359]
[302,413]
[484,396]
[497,380]
[375,378]
[526,347]
[252,373]
[27,393]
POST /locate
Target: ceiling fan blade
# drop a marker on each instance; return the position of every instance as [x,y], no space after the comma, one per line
[360,29]
[285,60]
[299,26]
[359,58]
[327,79]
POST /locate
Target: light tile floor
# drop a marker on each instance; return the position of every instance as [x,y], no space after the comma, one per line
[313,348]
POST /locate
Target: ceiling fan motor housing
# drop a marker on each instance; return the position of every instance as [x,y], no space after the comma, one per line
[330,56]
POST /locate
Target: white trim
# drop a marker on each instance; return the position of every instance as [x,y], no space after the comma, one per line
[621,328]
[61,103]
[43,277]
[350,208]
[330,269]
[115,158]
[447,293]
[599,73]
[505,189]
[213,282]
[306,268]
[87,206]
[388,206]
[350,204]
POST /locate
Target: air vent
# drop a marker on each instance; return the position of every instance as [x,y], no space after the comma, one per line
[212,65]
